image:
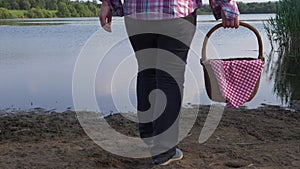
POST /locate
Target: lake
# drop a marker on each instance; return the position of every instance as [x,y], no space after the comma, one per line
[38,57]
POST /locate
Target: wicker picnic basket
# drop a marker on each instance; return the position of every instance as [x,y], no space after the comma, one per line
[211,82]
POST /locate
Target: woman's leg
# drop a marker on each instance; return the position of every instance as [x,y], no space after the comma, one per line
[146,81]
[172,57]
[151,77]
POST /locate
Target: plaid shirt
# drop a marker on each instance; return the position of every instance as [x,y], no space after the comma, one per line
[161,9]
[229,7]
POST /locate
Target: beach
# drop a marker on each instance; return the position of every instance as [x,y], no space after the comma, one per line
[266,137]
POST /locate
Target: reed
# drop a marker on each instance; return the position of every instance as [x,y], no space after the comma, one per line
[285,27]
[283,64]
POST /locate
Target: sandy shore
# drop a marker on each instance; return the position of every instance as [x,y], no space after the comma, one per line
[267,138]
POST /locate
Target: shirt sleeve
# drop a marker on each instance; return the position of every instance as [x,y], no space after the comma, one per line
[229,7]
[116,7]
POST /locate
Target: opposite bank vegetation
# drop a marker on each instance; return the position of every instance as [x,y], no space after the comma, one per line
[66,8]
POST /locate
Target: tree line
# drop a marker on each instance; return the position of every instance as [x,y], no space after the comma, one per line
[45,8]
[247,8]
[79,8]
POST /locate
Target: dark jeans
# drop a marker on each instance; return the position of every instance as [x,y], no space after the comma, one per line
[161,48]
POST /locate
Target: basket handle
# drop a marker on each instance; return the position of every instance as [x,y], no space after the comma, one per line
[260,44]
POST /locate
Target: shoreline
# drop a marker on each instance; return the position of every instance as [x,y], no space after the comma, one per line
[267,137]
[293,107]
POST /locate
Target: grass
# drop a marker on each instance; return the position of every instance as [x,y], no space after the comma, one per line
[18,13]
[21,13]
[284,28]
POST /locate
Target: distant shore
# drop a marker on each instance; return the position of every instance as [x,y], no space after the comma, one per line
[70,8]
[20,14]
[267,137]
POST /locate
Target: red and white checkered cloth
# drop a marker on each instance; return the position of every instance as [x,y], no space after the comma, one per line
[237,79]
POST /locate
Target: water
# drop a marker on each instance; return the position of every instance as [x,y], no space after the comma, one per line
[38,56]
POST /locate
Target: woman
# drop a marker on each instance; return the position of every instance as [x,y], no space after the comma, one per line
[159,30]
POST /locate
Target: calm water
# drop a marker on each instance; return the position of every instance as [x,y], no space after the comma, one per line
[37,60]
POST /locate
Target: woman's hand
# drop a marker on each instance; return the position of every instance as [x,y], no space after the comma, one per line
[105,16]
[234,23]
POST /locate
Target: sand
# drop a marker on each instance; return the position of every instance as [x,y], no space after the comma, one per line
[267,138]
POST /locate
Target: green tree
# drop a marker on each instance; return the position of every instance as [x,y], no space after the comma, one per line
[63,10]
[94,9]
[83,10]
[33,3]
[73,10]
[5,4]
[41,4]
[270,7]
[38,13]
[243,7]
[5,14]
[24,4]
[34,13]
[51,4]
[14,4]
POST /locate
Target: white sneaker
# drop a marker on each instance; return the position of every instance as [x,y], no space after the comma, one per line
[178,156]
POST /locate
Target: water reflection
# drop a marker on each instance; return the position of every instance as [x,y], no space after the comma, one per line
[27,23]
[283,68]
[46,21]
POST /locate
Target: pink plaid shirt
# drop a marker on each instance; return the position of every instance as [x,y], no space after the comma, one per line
[162,9]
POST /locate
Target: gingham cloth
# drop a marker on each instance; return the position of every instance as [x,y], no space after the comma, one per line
[166,9]
[237,79]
